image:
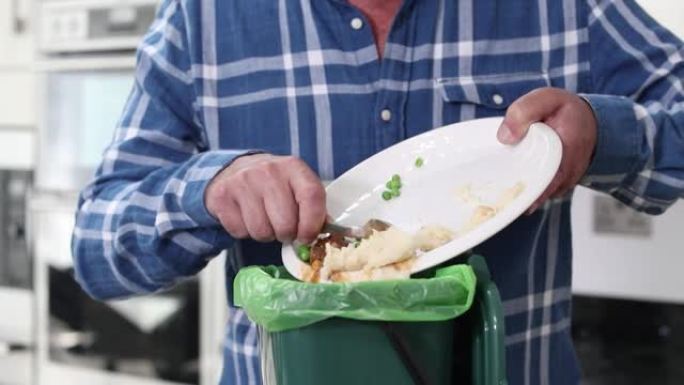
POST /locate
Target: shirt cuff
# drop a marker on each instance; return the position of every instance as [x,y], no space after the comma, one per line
[198,176]
[617,139]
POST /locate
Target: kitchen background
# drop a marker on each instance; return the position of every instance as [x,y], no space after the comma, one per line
[65,72]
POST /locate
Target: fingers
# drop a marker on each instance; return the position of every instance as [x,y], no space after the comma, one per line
[268,197]
[281,209]
[553,187]
[532,107]
[573,120]
[233,223]
[558,188]
[310,197]
[256,220]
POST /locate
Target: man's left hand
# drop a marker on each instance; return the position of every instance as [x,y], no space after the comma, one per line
[571,117]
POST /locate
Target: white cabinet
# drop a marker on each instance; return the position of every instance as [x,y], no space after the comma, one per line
[644,267]
[15,36]
[17,80]
[16,61]
[17,99]
[17,328]
[17,368]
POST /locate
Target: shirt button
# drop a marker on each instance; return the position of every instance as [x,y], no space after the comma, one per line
[497,99]
[386,115]
[356,23]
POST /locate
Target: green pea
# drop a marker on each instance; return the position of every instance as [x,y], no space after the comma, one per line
[394,184]
[386,195]
[419,162]
[395,193]
[396,178]
[304,253]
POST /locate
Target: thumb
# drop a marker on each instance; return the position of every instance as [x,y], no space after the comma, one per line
[530,108]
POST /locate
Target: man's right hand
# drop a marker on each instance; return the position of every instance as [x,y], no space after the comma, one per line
[267,197]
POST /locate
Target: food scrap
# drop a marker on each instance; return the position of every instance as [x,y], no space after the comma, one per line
[484,212]
[393,188]
[304,253]
[385,254]
[394,184]
[432,236]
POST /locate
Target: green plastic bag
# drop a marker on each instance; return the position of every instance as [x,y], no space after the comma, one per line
[274,300]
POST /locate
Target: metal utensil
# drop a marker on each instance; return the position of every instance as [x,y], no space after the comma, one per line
[356,232]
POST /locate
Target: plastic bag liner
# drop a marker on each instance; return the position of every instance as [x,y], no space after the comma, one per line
[277,302]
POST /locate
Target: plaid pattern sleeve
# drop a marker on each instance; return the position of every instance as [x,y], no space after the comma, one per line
[635,57]
[142,224]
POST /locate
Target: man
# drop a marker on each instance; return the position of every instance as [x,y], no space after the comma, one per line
[241,107]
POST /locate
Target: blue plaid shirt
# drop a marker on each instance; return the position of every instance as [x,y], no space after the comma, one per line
[217,78]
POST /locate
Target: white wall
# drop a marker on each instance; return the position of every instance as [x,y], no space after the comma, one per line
[669,13]
[623,266]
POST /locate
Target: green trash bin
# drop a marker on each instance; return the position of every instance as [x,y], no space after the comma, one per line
[418,345]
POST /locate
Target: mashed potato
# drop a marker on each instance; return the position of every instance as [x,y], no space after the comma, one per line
[484,212]
[431,237]
[385,254]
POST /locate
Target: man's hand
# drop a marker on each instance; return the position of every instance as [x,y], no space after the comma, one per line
[266,197]
[573,120]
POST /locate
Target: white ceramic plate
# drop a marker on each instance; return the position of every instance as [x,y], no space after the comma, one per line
[456,157]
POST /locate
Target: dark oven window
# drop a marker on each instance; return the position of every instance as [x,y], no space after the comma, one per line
[629,342]
[155,336]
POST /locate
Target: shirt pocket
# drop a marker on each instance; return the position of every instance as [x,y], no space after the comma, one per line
[490,92]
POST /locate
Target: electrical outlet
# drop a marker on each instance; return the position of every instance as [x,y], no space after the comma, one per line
[614,217]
